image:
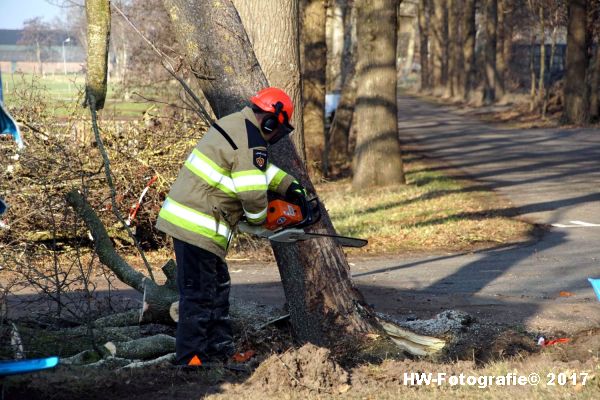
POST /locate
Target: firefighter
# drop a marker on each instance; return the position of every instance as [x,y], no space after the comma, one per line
[224,180]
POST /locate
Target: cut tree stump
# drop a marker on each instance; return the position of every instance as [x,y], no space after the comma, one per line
[141,349]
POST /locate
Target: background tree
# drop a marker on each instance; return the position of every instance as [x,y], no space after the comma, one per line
[576,93]
[469,31]
[38,35]
[439,44]
[314,60]
[490,72]
[424,14]
[377,159]
[322,300]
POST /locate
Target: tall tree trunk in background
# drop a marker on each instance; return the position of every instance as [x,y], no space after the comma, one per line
[377,158]
[335,44]
[439,30]
[324,305]
[98,33]
[576,93]
[314,50]
[469,31]
[337,140]
[424,6]
[500,41]
[491,20]
[542,75]
[276,45]
[509,22]
[550,65]
[595,85]
[453,46]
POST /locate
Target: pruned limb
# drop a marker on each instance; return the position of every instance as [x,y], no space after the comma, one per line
[141,349]
[417,345]
[157,301]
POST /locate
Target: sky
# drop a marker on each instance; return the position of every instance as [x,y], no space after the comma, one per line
[14,12]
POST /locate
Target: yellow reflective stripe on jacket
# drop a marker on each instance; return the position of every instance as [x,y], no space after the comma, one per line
[195,221]
[256,217]
[244,181]
[210,172]
[274,176]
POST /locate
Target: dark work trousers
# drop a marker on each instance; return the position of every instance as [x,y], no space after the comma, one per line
[204,328]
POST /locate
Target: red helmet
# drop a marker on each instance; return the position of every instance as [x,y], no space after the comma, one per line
[267,99]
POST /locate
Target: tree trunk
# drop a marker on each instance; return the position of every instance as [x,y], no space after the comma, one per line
[335,44]
[595,85]
[500,41]
[468,49]
[439,42]
[509,22]
[491,20]
[337,140]
[314,64]
[98,34]
[532,71]
[551,64]
[323,302]
[277,49]
[453,46]
[542,76]
[424,6]
[576,93]
[377,159]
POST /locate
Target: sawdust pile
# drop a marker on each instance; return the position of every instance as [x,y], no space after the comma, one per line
[308,368]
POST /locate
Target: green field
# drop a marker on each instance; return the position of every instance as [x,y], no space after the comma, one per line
[64,94]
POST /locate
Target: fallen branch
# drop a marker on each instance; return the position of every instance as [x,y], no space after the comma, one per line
[141,349]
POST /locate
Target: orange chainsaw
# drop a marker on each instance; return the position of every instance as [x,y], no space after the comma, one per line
[286,221]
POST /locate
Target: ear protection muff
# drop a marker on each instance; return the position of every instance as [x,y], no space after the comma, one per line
[271,122]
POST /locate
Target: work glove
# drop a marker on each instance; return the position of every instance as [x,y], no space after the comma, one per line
[256,230]
[295,193]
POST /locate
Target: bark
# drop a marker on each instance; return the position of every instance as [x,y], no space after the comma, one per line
[532,72]
[500,42]
[576,93]
[509,22]
[439,30]
[491,19]
[424,6]
[314,64]
[468,49]
[377,159]
[337,140]
[542,76]
[323,302]
[337,145]
[453,46]
[335,43]
[141,349]
[98,35]
[277,48]
[595,85]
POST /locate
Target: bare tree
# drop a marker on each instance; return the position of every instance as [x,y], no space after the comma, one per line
[468,49]
[424,23]
[576,92]
[37,33]
[377,159]
[439,45]
[98,17]
[314,51]
[501,33]
[491,21]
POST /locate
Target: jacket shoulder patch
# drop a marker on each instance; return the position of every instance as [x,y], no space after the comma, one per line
[255,139]
[259,158]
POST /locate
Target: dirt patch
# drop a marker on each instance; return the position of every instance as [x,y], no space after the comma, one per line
[308,368]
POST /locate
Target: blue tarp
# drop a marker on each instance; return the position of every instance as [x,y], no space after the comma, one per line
[7,123]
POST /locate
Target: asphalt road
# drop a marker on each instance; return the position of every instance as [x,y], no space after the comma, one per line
[551,176]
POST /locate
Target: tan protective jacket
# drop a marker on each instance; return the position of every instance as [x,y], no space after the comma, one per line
[225,177]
